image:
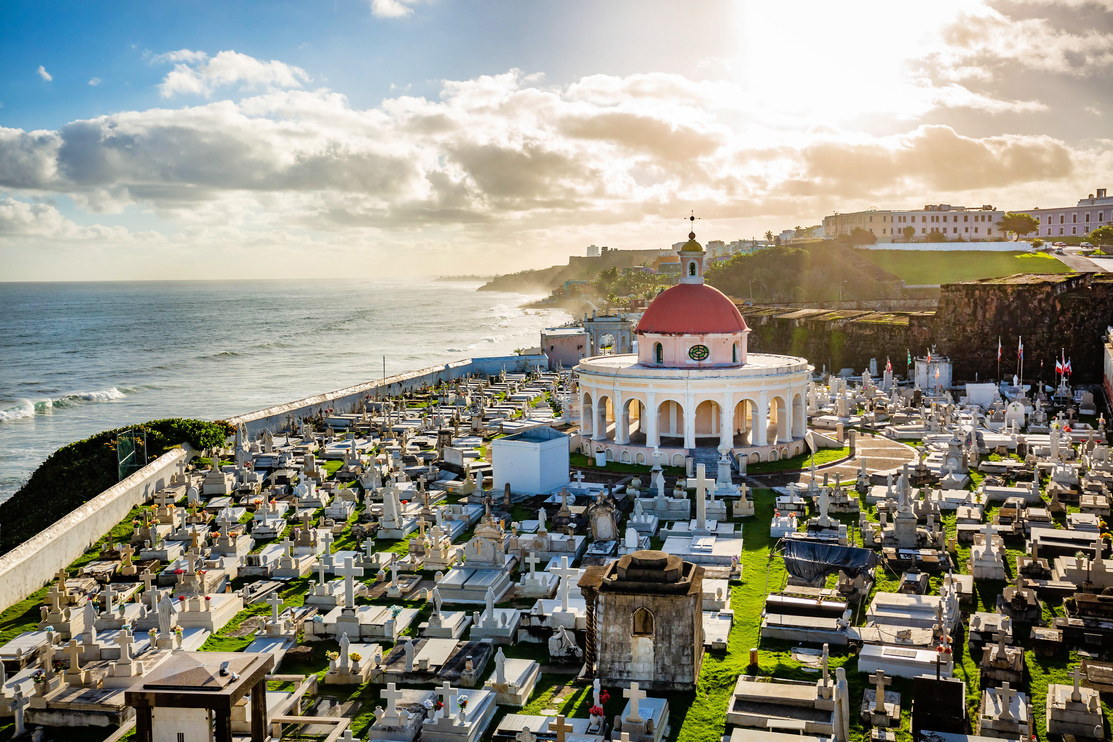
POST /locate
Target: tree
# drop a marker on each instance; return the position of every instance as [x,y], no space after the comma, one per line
[769,235]
[859,236]
[1019,224]
[1102,235]
[936,236]
[1037,243]
[909,233]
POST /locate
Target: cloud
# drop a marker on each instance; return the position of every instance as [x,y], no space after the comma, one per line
[195,73]
[94,81]
[392,8]
[41,71]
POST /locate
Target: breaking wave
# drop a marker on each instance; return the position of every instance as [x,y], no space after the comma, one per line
[26,408]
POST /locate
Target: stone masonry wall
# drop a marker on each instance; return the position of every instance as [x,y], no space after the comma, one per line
[625,658]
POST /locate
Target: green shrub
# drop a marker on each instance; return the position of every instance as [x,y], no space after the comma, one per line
[79,471]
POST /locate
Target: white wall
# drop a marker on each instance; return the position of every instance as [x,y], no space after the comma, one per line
[531,467]
[950,246]
[32,564]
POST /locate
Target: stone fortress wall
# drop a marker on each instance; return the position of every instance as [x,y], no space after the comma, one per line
[1049,311]
[35,562]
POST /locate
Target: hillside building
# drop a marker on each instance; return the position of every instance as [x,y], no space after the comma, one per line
[955,223]
[1096,210]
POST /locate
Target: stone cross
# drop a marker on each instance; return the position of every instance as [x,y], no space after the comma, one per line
[348,572]
[565,573]
[17,705]
[392,696]
[525,736]
[703,484]
[1000,643]
[561,727]
[634,694]
[286,545]
[532,561]
[326,539]
[1076,694]
[1005,695]
[73,652]
[124,640]
[880,681]
[275,603]
[448,695]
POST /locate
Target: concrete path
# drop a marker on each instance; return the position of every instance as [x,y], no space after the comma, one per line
[881,455]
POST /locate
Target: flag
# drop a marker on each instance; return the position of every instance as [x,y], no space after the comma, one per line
[929,356]
[998,348]
[888,365]
[909,357]
[1020,348]
[1058,366]
[1066,369]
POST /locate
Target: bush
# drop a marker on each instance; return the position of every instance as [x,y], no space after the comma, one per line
[78,472]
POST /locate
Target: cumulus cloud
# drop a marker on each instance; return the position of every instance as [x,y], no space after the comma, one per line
[392,8]
[195,73]
[41,72]
[94,81]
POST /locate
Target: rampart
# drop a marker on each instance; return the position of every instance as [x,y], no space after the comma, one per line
[32,564]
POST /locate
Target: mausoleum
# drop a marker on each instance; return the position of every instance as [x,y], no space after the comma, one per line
[692,384]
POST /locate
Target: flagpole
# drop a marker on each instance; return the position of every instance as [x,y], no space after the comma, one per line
[998,363]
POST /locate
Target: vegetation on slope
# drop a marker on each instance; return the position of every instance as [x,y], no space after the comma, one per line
[815,272]
[578,269]
[78,472]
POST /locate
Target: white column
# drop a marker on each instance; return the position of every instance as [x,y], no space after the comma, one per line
[649,420]
[761,420]
[621,422]
[599,427]
[726,421]
[586,421]
[689,421]
[800,420]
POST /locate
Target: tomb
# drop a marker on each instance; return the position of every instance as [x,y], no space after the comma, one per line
[354,664]
[1074,709]
[405,711]
[513,680]
[444,624]
[644,616]
[643,719]
[880,707]
[497,625]
[791,706]
[1005,714]
[1002,663]
[460,715]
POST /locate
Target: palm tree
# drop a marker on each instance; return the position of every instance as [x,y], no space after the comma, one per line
[769,235]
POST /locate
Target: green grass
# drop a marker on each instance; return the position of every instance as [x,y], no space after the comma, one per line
[588,462]
[918,267]
[803,461]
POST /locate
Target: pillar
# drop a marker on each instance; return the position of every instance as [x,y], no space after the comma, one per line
[586,427]
[649,420]
[761,420]
[259,711]
[799,418]
[143,731]
[621,420]
[726,421]
[223,725]
[689,421]
[599,423]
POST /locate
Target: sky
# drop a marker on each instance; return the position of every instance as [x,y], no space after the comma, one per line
[341,138]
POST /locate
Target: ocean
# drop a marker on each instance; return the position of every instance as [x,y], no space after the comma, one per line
[79,358]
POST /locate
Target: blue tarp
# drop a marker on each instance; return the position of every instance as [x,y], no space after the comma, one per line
[808,560]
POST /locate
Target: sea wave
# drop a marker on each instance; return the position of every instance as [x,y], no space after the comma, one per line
[25,408]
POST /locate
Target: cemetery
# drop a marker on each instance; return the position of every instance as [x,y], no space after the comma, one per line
[393,572]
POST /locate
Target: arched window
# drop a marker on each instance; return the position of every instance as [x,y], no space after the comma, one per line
[659,353]
[692,268]
[643,622]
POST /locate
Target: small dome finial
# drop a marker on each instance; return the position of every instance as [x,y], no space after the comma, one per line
[692,219]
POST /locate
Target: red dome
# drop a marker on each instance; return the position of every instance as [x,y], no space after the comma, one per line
[691,309]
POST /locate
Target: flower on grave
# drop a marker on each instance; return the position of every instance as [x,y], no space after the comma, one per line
[596,711]
[438,705]
[355,656]
[38,677]
[331,656]
[181,598]
[318,618]
[604,696]
[462,703]
[57,664]
[179,571]
[178,630]
[202,571]
[208,597]
[126,627]
[395,610]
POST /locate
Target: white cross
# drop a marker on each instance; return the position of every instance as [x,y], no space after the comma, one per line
[634,694]
[1076,694]
[1005,694]
[564,572]
[447,694]
[18,703]
[326,539]
[124,640]
[532,561]
[275,603]
[73,652]
[348,572]
[286,544]
[392,697]
[703,484]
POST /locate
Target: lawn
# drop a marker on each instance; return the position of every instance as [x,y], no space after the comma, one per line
[926,267]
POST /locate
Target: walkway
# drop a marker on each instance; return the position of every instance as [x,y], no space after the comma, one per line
[881,455]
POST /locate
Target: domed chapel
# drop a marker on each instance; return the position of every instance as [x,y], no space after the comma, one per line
[692,383]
